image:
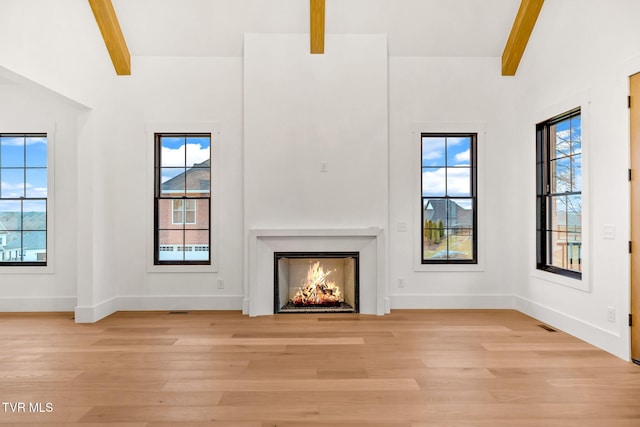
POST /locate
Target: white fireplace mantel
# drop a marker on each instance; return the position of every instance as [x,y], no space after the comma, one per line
[263,243]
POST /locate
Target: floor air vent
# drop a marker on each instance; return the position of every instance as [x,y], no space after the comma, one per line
[547,328]
[178,312]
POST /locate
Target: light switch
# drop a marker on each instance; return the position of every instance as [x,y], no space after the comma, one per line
[609,231]
[402,226]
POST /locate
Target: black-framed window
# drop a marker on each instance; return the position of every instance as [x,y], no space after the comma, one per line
[449,198]
[23,199]
[559,194]
[182,205]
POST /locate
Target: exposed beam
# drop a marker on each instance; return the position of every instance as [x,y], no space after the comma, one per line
[316,8]
[112,35]
[519,37]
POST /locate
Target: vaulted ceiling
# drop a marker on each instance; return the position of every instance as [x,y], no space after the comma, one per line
[450,28]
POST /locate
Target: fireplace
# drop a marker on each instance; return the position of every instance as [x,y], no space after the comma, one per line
[316,282]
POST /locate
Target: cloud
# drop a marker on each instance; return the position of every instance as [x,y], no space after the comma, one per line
[456,182]
[176,156]
[463,156]
[16,190]
[17,141]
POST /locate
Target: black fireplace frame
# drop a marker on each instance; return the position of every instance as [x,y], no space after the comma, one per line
[337,254]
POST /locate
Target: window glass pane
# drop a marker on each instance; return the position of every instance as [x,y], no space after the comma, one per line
[198,151]
[10,215]
[460,242]
[459,182]
[435,241]
[574,213]
[562,134]
[561,178]
[198,214]
[576,135]
[11,151]
[574,251]
[557,213]
[558,251]
[433,182]
[196,245]
[170,245]
[36,151]
[194,178]
[172,181]
[577,173]
[172,151]
[458,151]
[12,184]
[460,213]
[34,246]
[165,214]
[433,151]
[36,186]
[34,216]
[435,210]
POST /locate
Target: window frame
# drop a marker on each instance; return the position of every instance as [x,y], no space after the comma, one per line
[45,266]
[544,194]
[473,196]
[157,263]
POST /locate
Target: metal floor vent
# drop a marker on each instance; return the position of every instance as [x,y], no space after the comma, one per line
[178,312]
[547,328]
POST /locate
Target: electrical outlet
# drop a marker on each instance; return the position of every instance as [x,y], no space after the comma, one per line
[220,283]
[324,166]
[402,226]
[401,282]
[611,314]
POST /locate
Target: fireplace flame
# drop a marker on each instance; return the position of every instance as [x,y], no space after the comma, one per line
[317,289]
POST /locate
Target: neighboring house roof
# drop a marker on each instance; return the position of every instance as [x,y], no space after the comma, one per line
[197,177]
[437,210]
[30,241]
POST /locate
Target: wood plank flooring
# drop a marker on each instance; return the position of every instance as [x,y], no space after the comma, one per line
[407,369]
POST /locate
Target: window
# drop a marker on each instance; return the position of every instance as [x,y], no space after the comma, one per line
[184,211]
[182,208]
[559,194]
[449,219]
[23,199]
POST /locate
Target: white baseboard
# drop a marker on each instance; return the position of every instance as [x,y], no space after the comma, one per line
[179,302]
[37,304]
[91,314]
[453,301]
[594,335]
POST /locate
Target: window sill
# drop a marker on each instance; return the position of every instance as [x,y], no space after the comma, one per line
[575,283]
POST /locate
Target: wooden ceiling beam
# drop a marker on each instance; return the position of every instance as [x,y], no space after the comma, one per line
[112,34]
[316,30]
[519,36]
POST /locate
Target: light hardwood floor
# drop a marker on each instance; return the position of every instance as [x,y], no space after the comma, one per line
[406,369]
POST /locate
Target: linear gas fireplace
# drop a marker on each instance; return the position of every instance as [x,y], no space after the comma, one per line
[317,282]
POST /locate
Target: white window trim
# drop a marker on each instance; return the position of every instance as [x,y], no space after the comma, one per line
[582,100]
[152,128]
[49,129]
[479,128]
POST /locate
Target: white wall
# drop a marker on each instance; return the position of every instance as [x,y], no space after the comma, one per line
[27,107]
[301,110]
[558,73]
[177,93]
[445,95]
